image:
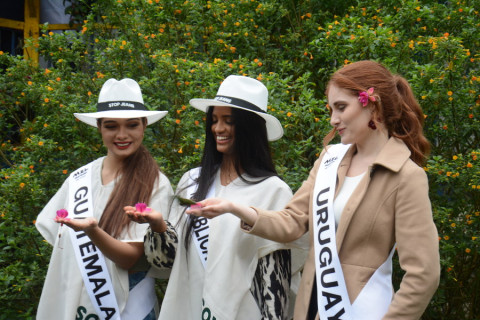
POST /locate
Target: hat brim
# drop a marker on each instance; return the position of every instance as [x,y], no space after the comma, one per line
[274,127]
[91,118]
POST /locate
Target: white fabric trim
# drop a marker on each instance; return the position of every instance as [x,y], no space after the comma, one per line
[91,261]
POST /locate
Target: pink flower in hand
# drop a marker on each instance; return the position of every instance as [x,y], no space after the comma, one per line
[196,206]
[142,207]
[365,96]
[61,214]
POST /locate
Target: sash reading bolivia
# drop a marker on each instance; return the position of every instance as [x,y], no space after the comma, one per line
[90,260]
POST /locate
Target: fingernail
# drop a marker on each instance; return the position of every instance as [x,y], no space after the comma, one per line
[195,206]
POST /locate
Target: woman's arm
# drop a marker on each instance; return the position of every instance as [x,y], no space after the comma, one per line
[124,254]
[417,248]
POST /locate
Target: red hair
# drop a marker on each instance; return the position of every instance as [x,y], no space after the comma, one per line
[396,107]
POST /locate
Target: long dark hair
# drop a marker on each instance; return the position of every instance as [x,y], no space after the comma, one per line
[251,155]
[139,172]
[397,107]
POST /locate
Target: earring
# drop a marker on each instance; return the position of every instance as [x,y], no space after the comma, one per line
[372,125]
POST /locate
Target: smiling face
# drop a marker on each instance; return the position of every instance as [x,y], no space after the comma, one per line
[223,129]
[348,116]
[122,137]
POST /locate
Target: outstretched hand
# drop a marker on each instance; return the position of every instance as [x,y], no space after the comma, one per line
[210,208]
[150,216]
[84,224]
[213,207]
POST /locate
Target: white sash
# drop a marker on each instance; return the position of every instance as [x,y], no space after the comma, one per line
[91,261]
[141,300]
[333,301]
[201,227]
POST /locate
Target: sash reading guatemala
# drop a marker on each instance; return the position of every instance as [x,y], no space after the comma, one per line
[333,301]
[201,227]
[90,260]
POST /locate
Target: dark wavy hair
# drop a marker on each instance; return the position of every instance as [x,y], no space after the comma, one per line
[396,107]
[251,155]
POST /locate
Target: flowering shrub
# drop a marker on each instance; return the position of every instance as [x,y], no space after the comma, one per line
[179,50]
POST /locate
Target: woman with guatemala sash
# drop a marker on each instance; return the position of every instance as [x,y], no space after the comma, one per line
[221,273]
[96,269]
[363,199]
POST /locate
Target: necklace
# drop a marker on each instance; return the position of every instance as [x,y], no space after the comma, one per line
[226,177]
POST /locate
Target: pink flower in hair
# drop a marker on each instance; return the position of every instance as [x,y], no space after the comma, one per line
[142,207]
[366,96]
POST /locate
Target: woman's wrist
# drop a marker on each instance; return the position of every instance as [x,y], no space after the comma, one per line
[158,226]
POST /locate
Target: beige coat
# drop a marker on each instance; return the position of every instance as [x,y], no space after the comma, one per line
[390,205]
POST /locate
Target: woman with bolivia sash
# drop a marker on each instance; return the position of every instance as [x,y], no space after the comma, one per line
[95,270]
[364,198]
[220,272]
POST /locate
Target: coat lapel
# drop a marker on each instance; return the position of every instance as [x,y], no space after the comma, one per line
[384,159]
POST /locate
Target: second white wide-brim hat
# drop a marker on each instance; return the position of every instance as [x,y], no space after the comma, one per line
[243,93]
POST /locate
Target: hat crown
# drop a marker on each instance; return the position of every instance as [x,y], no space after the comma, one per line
[123,90]
[245,88]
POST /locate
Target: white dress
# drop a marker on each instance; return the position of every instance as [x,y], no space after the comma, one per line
[63,295]
[222,291]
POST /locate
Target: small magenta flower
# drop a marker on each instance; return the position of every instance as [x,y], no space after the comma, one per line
[142,207]
[365,96]
[62,213]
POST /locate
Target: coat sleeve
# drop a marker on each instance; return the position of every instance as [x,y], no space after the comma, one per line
[290,223]
[417,247]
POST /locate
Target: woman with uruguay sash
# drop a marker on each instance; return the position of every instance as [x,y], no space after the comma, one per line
[363,199]
[95,270]
[220,272]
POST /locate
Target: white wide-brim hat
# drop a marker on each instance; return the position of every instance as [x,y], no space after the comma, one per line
[243,93]
[120,99]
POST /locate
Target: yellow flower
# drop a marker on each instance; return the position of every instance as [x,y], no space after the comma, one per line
[467,250]
[40,143]
[64,171]
[289,114]
[177,121]
[449,93]
[453,225]
[446,237]
[454,157]
[22,185]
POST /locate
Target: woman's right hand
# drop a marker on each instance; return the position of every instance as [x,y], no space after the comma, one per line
[213,207]
[150,216]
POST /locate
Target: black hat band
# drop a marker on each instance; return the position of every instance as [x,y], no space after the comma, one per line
[239,102]
[120,105]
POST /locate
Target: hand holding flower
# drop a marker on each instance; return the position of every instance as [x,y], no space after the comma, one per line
[143,214]
[61,215]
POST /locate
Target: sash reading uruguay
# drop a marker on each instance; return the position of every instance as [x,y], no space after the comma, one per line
[333,301]
[89,259]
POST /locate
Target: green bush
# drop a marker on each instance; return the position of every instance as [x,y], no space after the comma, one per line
[178,50]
